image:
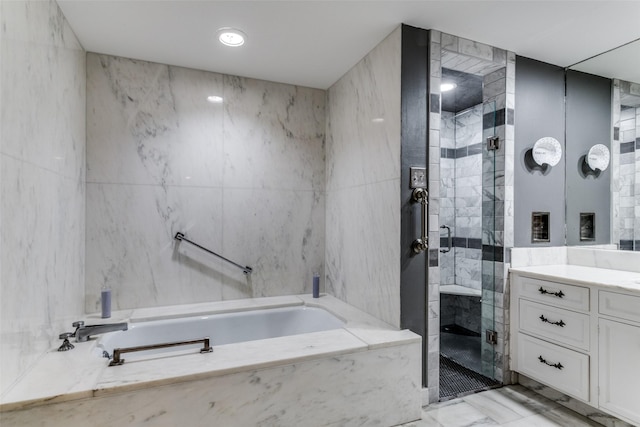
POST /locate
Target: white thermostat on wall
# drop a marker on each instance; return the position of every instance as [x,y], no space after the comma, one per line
[598,157]
[547,150]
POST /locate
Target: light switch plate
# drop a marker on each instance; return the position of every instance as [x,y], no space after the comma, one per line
[418,177]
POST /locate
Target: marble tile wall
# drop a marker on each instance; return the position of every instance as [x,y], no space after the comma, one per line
[244,178]
[42,164]
[447,194]
[461,310]
[363,184]
[461,197]
[468,203]
[436,135]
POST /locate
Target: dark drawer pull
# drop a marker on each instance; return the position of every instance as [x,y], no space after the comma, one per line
[553,365]
[545,320]
[558,294]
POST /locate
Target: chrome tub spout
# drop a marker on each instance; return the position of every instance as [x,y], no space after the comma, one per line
[83,333]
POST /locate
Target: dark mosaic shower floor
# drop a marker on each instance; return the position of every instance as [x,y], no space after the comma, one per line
[463,349]
[456,380]
[460,362]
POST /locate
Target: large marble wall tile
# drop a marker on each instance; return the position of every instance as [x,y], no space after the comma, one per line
[363,248]
[243,177]
[364,119]
[363,184]
[131,247]
[279,233]
[42,251]
[37,23]
[42,134]
[150,123]
[43,94]
[273,135]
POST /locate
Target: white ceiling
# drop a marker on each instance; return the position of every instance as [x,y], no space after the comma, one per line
[313,43]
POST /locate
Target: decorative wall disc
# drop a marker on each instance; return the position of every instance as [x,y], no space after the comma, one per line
[547,150]
[598,157]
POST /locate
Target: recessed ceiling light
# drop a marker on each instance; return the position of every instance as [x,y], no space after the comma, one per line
[447,86]
[378,120]
[215,99]
[231,36]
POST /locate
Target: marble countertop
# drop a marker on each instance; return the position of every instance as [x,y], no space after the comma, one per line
[582,275]
[80,373]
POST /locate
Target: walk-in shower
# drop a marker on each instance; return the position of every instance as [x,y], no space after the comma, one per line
[467,223]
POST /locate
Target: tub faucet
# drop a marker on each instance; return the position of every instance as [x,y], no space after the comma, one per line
[83,332]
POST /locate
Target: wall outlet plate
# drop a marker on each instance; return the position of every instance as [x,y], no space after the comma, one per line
[418,177]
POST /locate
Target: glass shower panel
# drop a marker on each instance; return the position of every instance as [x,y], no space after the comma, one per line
[461,162]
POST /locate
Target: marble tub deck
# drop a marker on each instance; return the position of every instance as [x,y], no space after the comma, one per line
[512,406]
[61,381]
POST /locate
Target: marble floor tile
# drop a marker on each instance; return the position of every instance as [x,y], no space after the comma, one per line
[510,406]
[457,413]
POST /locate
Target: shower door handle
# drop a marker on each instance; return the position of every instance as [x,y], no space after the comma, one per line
[420,244]
[449,239]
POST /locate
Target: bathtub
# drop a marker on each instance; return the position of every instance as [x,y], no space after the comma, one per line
[279,361]
[224,328]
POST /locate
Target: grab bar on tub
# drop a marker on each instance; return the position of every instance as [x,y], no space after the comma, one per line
[449,239]
[206,348]
[245,269]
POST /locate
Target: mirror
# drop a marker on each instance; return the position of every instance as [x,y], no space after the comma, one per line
[622,64]
[626,139]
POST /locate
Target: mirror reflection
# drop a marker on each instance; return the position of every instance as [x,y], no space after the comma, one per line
[627,135]
[623,66]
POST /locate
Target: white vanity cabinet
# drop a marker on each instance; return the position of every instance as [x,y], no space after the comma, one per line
[552,334]
[619,354]
[580,337]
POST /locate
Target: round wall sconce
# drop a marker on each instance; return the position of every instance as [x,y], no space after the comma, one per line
[598,158]
[547,150]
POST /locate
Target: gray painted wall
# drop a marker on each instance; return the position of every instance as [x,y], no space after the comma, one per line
[564,190]
[414,131]
[540,113]
[588,123]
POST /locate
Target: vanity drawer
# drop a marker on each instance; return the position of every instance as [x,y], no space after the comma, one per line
[563,326]
[558,367]
[622,306]
[558,294]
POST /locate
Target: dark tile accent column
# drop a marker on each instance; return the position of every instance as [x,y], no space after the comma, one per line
[414,113]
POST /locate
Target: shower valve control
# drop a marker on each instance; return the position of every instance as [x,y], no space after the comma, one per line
[418,177]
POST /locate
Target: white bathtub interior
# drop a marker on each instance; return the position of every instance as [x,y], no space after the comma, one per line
[221,329]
